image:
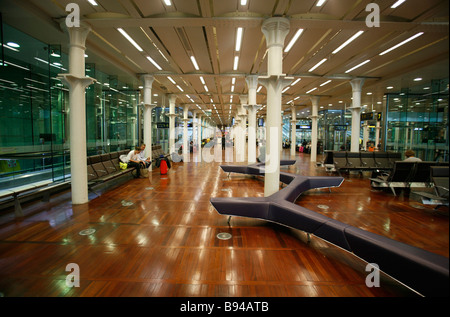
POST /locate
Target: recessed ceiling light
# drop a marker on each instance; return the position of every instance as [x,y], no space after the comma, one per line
[357,66]
[401,43]
[236,63]
[389,87]
[154,63]
[325,83]
[318,64]
[239,39]
[125,34]
[417,79]
[294,39]
[12,44]
[194,62]
[395,5]
[356,35]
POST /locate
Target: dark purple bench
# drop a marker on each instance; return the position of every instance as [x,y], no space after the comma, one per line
[425,272]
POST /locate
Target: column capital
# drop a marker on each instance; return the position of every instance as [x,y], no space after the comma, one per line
[282,81]
[252,81]
[71,80]
[77,35]
[315,100]
[275,30]
[147,105]
[172,98]
[147,79]
[357,84]
[252,107]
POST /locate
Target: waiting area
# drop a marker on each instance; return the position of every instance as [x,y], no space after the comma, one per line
[159,236]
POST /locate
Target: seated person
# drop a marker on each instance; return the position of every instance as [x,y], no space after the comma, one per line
[135,161]
[410,156]
[146,160]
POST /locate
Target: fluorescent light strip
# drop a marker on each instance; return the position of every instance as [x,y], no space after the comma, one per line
[356,35]
[320,3]
[294,39]
[194,62]
[243,2]
[125,34]
[402,43]
[173,81]
[398,3]
[295,82]
[93,2]
[154,63]
[318,64]
[357,66]
[327,82]
[311,90]
[179,88]
[236,63]
[202,80]
[239,39]
[168,3]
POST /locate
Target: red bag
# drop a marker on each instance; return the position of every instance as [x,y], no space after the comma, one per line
[300,149]
[163,167]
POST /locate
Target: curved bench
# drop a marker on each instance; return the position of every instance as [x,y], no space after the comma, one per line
[425,272]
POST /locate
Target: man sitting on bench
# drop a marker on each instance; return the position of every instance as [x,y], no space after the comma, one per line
[145,160]
[135,161]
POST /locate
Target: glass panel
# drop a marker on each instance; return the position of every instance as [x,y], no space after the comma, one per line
[34,112]
[419,122]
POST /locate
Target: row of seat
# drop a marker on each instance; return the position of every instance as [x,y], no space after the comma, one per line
[104,167]
[397,259]
[440,179]
[343,160]
[407,175]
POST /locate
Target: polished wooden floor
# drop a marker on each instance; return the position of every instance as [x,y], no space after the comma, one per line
[157,237]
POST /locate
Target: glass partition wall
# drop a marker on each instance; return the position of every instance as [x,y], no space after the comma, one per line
[34,112]
[419,121]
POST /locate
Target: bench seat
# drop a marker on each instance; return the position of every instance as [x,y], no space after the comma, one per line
[425,272]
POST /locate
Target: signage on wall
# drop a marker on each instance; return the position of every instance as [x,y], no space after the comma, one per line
[366,116]
[162,125]
[303,127]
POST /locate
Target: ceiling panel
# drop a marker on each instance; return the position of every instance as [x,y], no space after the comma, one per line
[207,29]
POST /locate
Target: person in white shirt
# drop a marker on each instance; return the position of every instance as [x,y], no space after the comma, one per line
[134,160]
[145,160]
[410,156]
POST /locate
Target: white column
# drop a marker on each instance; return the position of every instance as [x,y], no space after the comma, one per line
[148,107]
[240,149]
[365,134]
[357,84]
[185,134]
[199,137]
[377,134]
[172,116]
[252,83]
[293,130]
[77,83]
[314,132]
[275,31]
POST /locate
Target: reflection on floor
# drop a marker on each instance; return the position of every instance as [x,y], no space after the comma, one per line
[161,237]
